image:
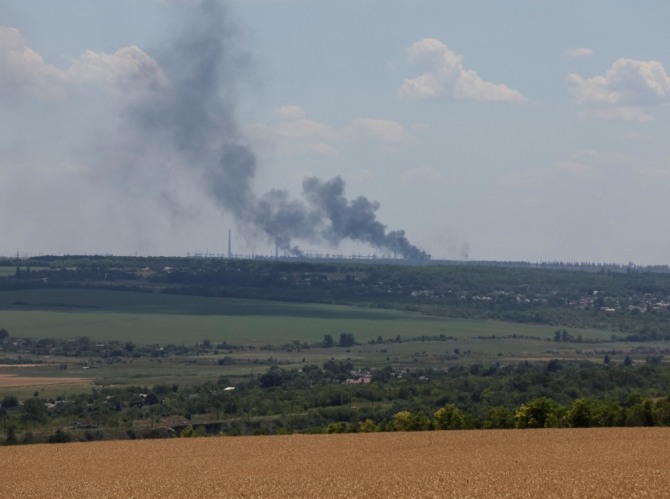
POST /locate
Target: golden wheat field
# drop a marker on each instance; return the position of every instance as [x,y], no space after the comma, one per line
[501,463]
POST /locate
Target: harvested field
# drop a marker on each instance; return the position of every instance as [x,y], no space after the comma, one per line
[503,463]
[14,381]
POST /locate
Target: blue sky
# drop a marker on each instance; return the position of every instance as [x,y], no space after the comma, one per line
[517,130]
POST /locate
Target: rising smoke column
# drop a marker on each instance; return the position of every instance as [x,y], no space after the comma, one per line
[195,121]
[354,219]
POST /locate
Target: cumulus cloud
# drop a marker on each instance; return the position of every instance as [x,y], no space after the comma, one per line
[590,162]
[574,167]
[129,71]
[289,112]
[623,90]
[304,128]
[655,172]
[634,136]
[383,130]
[294,133]
[447,73]
[620,113]
[581,164]
[24,70]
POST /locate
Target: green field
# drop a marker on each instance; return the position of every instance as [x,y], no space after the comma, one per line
[10,271]
[152,318]
[5,271]
[147,318]
[264,328]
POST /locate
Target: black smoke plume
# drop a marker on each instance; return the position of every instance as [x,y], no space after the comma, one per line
[195,122]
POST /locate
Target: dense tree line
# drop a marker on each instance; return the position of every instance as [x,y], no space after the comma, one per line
[634,305]
[332,398]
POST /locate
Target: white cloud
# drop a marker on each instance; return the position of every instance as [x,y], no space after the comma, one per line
[619,94]
[305,129]
[470,86]
[384,130]
[24,70]
[577,53]
[621,113]
[634,137]
[581,165]
[590,162]
[293,133]
[448,73]
[655,172]
[128,71]
[422,86]
[289,112]
[574,167]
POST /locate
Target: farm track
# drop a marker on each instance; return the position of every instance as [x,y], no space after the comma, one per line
[621,462]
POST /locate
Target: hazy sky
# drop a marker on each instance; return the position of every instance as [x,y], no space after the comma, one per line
[517,130]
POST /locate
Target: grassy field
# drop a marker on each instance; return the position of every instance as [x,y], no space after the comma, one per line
[593,463]
[147,318]
[10,271]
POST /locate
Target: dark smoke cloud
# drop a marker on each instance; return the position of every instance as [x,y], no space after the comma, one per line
[194,121]
[354,219]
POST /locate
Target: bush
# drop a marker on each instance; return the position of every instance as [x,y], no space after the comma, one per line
[188,432]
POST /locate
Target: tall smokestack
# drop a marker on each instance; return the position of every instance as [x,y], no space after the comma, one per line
[230,245]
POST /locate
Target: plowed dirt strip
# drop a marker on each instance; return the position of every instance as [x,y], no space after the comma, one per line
[13,381]
[512,463]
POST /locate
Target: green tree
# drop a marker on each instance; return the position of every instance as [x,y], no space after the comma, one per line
[641,414]
[606,413]
[449,417]
[421,422]
[499,418]
[662,411]
[188,432]
[275,376]
[33,411]
[346,340]
[11,436]
[580,414]
[368,426]
[542,412]
[402,421]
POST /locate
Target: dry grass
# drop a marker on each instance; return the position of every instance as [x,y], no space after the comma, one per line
[506,463]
